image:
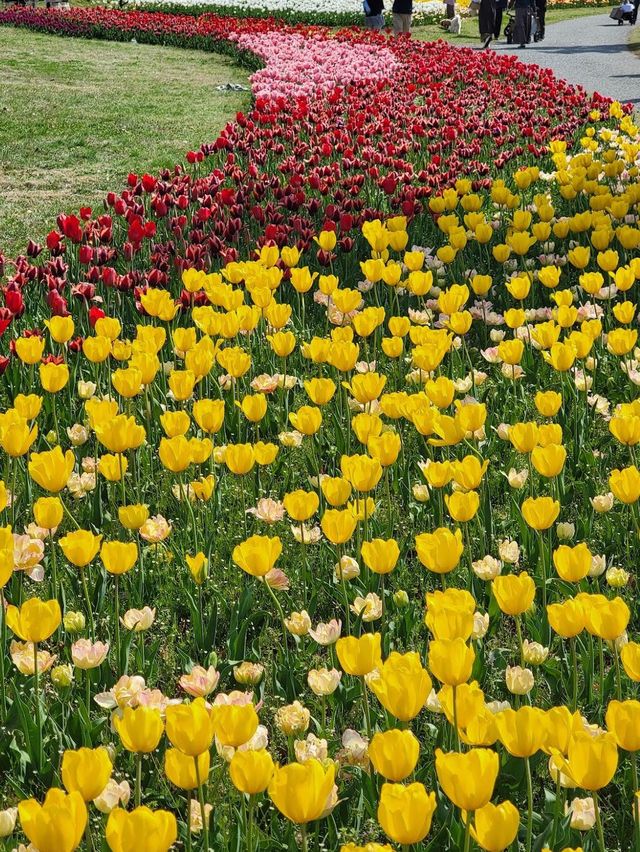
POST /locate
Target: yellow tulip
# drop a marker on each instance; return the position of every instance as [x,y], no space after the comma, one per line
[181,770]
[251,770]
[140,729]
[359,656]
[301,791]
[405,813]
[258,554]
[51,469]
[35,620]
[86,771]
[402,685]
[468,779]
[125,828]
[58,824]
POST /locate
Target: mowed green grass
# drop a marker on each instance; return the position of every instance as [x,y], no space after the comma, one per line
[76,116]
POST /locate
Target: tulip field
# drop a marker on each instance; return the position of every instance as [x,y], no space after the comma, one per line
[319,501]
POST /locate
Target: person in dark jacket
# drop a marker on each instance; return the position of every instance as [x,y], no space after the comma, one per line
[541,13]
[487,21]
[522,23]
[501,5]
[402,12]
[373,14]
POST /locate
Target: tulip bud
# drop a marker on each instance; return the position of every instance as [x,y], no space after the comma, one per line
[487,568]
[602,503]
[509,551]
[62,676]
[298,623]
[565,531]
[311,748]
[114,794]
[621,641]
[86,389]
[517,478]
[323,681]
[480,625]
[421,493]
[74,622]
[519,681]
[583,814]
[496,335]
[51,437]
[8,821]
[617,578]
[248,673]
[433,702]
[401,598]
[292,719]
[78,435]
[534,653]
[195,816]
[347,568]
[503,431]
[598,566]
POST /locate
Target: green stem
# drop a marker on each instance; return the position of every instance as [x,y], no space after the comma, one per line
[54,567]
[616,658]
[117,602]
[529,805]
[596,807]
[85,589]
[367,712]
[3,645]
[250,824]
[36,686]
[574,666]
[203,813]
[520,645]
[138,792]
[281,614]
[303,832]
[188,843]
[634,799]
[467,834]
[455,717]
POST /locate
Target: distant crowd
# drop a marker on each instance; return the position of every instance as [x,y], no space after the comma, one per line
[526,18]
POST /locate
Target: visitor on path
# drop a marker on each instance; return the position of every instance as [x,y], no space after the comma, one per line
[626,11]
[522,23]
[634,16]
[501,6]
[373,14]
[541,14]
[487,21]
[402,11]
[450,8]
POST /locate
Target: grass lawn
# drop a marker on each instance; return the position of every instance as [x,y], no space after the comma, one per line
[470,34]
[76,116]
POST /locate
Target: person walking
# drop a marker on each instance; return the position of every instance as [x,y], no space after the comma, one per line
[373,14]
[402,11]
[450,9]
[522,23]
[541,14]
[487,21]
[501,6]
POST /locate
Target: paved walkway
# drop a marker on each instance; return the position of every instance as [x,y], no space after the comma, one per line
[591,51]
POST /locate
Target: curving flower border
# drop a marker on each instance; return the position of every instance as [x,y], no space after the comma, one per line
[346,126]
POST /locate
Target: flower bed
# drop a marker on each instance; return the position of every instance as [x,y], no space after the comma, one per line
[317,521]
[328,13]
